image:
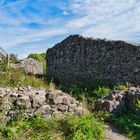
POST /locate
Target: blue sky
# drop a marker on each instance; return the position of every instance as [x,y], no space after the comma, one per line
[28,26]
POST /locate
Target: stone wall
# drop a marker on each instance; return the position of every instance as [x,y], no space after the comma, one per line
[79,58]
[30,101]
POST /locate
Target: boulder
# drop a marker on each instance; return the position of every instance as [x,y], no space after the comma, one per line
[30,65]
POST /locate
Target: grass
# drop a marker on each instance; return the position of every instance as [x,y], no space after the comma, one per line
[18,78]
[69,128]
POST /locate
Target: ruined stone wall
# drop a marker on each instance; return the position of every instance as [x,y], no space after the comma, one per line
[30,101]
[78,58]
[119,101]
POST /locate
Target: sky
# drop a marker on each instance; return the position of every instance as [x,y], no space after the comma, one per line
[33,26]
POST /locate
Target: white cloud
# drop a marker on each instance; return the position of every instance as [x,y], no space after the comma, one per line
[30,37]
[96,11]
[113,19]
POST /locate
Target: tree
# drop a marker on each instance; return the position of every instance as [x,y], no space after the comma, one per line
[13,58]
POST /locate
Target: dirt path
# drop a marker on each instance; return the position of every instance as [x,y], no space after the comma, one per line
[113,133]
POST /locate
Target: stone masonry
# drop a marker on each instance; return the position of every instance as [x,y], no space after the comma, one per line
[78,58]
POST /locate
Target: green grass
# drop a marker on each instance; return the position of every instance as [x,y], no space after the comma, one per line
[18,78]
[69,128]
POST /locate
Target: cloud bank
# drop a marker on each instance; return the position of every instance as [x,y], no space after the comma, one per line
[28,26]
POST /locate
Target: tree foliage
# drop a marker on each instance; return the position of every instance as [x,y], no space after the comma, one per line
[13,58]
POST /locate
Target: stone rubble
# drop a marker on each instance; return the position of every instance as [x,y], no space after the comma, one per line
[118,101]
[30,101]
